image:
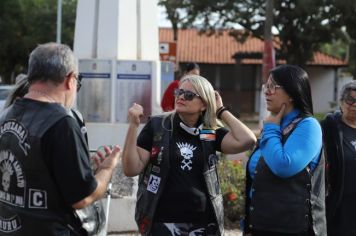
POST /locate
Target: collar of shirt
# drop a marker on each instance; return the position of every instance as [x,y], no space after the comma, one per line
[190,130]
[289,117]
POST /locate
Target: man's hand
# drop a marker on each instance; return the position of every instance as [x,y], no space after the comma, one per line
[107,160]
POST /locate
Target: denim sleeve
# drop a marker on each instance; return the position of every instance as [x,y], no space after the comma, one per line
[301,148]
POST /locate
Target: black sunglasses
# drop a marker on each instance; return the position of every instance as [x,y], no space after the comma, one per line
[188,95]
[78,78]
[350,100]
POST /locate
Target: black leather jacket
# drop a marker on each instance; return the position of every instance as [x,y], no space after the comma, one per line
[147,198]
[333,139]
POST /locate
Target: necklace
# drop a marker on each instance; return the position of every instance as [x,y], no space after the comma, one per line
[41,93]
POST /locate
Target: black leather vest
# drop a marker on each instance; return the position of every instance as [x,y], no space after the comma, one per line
[153,178]
[30,202]
[287,205]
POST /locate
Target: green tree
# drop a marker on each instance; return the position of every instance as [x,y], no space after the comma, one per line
[302,25]
[26,23]
[347,9]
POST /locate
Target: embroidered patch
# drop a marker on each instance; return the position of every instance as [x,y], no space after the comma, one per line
[154,151]
[160,156]
[12,187]
[157,137]
[10,225]
[38,199]
[207,135]
[153,184]
[19,131]
[156,169]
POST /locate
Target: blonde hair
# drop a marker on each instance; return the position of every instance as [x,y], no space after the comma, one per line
[206,92]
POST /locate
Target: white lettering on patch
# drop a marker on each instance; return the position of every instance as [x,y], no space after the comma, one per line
[38,198]
[153,184]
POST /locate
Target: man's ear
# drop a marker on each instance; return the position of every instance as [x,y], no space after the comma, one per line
[68,83]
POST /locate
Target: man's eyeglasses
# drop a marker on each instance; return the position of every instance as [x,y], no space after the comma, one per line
[271,87]
[78,78]
[350,100]
[188,95]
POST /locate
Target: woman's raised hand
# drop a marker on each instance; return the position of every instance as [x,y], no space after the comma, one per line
[219,102]
[135,112]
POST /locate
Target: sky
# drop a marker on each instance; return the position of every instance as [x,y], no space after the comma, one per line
[162,21]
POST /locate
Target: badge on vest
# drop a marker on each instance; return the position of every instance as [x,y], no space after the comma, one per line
[207,135]
[156,169]
[153,184]
[38,199]
[10,225]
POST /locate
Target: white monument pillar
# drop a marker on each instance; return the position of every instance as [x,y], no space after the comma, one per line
[116,42]
[120,30]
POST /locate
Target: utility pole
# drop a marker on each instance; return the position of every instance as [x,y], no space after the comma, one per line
[268,55]
[59,20]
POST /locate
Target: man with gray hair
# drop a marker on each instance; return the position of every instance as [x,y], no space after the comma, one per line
[44,159]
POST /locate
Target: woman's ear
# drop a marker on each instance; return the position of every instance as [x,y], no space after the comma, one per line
[203,108]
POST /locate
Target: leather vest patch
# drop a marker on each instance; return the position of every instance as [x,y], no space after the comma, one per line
[10,225]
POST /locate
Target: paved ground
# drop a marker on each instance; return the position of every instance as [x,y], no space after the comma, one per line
[231,232]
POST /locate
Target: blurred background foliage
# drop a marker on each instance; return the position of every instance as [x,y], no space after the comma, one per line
[26,23]
[232,180]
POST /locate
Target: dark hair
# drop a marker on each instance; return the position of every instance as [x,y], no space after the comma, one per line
[51,62]
[20,89]
[191,66]
[295,82]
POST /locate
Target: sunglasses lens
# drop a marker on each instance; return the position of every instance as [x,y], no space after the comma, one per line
[178,92]
[188,95]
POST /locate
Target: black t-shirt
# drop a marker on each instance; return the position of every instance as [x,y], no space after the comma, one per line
[349,141]
[185,197]
[66,154]
[345,214]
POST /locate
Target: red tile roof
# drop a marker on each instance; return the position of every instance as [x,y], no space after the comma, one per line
[219,49]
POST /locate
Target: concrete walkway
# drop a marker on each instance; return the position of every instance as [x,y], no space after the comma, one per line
[231,232]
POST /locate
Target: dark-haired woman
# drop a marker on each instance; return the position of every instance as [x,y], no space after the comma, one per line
[339,132]
[285,173]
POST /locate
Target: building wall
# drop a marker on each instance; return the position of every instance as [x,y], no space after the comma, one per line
[240,86]
[322,86]
[237,85]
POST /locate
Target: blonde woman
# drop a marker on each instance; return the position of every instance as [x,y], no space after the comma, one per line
[175,155]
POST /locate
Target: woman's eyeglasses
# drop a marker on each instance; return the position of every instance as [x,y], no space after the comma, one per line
[271,87]
[350,100]
[188,95]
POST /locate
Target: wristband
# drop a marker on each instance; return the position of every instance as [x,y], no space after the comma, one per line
[220,111]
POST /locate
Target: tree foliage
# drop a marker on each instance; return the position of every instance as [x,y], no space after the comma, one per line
[302,25]
[26,23]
